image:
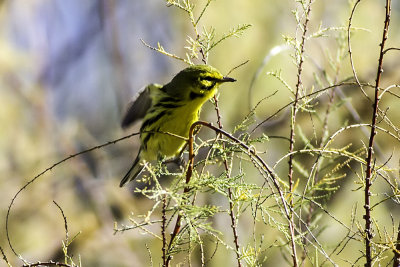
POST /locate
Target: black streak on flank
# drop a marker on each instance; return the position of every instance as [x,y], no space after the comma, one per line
[146,139]
[149,134]
[168,99]
[152,120]
[168,105]
[194,95]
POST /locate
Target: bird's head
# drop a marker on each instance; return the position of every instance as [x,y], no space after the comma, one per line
[198,82]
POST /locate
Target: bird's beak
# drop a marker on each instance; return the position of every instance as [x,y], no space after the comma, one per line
[228,79]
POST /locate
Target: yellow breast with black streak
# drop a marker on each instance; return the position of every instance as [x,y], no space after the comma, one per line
[165,128]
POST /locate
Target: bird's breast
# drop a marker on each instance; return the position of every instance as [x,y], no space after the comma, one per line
[181,119]
[173,125]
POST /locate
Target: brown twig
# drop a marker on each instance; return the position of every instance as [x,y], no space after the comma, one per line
[238,66]
[253,154]
[391,49]
[65,222]
[299,84]
[249,152]
[189,172]
[318,162]
[369,160]
[163,227]
[396,258]
[350,50]
[300,98]
[230,196]
[47,170]
[187,189]
[4,256]
[47,263]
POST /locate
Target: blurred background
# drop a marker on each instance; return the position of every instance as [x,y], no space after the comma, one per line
[69,68]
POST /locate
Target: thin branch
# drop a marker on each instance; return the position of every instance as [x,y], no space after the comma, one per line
[253,154]
[202,12]
[5,257]
[47,170]
[300,98]
[391,49]
[249,151]
[369,160]
[47,263]
[150,256]
[163,228]
[233,32]
[65,221]
[299,84]
[272,52]
[396,258]
[230,197]
[189,172]
[238,66]
[160,49]
[350,50]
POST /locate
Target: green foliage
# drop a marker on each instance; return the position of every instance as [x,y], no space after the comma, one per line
[199,45]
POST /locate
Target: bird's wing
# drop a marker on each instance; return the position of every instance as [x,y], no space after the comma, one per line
[139,105]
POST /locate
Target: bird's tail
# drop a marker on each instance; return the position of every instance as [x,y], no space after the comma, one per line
[133,172]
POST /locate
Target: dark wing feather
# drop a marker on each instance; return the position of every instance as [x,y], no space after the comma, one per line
[139,106]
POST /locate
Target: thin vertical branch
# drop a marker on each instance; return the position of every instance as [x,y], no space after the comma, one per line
[189,172]
[163,227]
[230,195]
[234,227]
[66,243]
[296,100]
[318,162]
[48,169]
[150,257]
[299,84]
[369,160]
[396,258]
[253,155]
[350,50]
[65,222]
[5,257]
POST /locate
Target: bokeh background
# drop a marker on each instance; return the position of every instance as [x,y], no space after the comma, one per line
[68,69]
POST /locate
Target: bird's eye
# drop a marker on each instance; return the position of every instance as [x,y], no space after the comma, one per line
[208,78]
[207,84]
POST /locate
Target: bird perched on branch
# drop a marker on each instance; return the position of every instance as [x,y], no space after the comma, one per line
[168,113]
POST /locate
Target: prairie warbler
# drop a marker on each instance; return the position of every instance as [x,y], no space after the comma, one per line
[168,113]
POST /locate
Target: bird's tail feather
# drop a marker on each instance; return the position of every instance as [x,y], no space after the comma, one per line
[133,172]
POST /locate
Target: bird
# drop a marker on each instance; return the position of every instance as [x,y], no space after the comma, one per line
[168,111]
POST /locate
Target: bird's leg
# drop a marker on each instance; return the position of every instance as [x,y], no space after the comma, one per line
[178,160]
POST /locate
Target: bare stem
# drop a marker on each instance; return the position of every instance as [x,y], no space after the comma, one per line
[231,206]
[396,258]
[47,263]
[5,257]
[369,160]
[299,84]
[45,171]
[189,172]
[253,154]
[163,227]
[249,151]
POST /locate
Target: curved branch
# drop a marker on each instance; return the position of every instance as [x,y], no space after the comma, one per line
[41,174]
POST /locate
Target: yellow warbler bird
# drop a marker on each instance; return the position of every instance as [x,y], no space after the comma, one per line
[171,108]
